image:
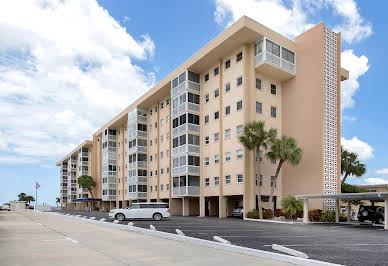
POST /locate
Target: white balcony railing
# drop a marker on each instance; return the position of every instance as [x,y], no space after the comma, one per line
[267,57]
[185,127]
[137,195]
[184,86]
[185,191]
[185,107]
[185,149]
[185,170]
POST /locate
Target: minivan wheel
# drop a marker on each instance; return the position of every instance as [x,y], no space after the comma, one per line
[120,217]
[157,217]
[380,220]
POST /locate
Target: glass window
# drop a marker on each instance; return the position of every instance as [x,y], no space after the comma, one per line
[239,154]
[216,115]
[239,178]
[259,108]
[216,137]
[206,119]
[216,71]
[239,56]
[288,55]
[258,47]
[273,89]
[273,181]
[193,98]
[216,93]
[216,158]
[227,87]
[273,48]
[207,182]
[228,157]
[216,180]
[193,76]
[239,105]
[174,84]
[258,84]
[207,77]
[207,140]
[273,111]
[227,179]
[193,139]
[239,130]
[227,110]
[206,98]
[227,133]
[207,161]
[193,119]
[239,81]
[227,64]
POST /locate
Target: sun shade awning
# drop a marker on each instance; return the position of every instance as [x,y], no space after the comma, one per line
[373,196]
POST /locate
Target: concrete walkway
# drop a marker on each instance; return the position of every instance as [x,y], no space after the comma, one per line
[28,238]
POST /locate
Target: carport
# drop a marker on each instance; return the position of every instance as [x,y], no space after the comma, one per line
[371,196]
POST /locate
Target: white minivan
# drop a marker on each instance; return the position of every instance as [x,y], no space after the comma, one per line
[142,210]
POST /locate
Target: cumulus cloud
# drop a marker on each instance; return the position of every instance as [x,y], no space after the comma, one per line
[357,66]
[292,18]
[383,171]
[362,149]
[66,68]
[375,181]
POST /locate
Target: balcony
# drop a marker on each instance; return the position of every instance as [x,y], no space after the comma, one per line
[185,170]
[133,180]
[274,60]
[187,106]
[185,191]
[137,195]
[185,127]
[140,164]
[135,149]
[108,197]
[187,148]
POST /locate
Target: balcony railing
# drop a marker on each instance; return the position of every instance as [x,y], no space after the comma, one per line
[185,107]
[135,149]
[108,197]
[185,170]
[185,127]
[184,86]
[140,164]
[185,191]
[133,180]
[137,195]
[185,149]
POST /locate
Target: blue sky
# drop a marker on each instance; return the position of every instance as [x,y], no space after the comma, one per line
[62,62]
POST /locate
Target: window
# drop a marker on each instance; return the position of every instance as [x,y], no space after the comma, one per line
[156,124]
[161,187]
[273,161]
[228,157]
[273,48]
[156,172]
[162,171]
[227,133]
[193,139]
[239,178]
[193,98]
[216,158]
[260,156]
[217,115]
[207,140]
[206,119]
[259,108]
[167,186]
[258,47]
[216,93]
[239,81]
[207,77]
[273,89]
[273,111]
[151,158]
[288,55]
[207,161]
[156,188]
[168,170]
[239,105]
[273,181]
[239,154]
[216,180]
[161,156]
[161,105]
[216,137]
[258,84]
[239,130]
[193,160]
[239,57]
[193,119]
[206,98]
[227,110]
[227,64]
[261,180]
[151,188]
[216,71]
[167,101]
[227,179]
[161,138]
[150,173]
[227,87]
[207,182]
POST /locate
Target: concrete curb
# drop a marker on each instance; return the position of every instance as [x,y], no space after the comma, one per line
[207,243]
[221,240]
[290,251]
[179,232]
[270,221]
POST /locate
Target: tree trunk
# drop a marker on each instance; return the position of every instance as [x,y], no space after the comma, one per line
[91,194]
[258,176]
[273,187]
[343,180]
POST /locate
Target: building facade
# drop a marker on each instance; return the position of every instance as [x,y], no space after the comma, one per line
[179,142]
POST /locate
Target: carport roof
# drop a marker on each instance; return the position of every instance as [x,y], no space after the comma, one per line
[373,196]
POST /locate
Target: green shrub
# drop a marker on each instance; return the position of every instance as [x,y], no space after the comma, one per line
[96,209]
[267,214]
[254,214]
[315,215]
[329,216]
[293,208]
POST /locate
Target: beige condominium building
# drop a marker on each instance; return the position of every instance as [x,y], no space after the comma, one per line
[179,142]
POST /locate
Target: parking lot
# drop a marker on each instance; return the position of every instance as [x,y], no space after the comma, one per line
[338,243]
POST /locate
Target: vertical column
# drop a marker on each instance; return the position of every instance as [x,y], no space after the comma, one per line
[305,211]
[248,116]
[202,206]
[158,152]
[386,214]
[349,209]
[337,210]
[221,198]
[185,206]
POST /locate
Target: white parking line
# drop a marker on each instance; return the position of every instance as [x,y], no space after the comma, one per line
[72,240]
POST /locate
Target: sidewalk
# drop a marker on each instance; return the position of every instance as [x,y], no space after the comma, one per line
[28,238]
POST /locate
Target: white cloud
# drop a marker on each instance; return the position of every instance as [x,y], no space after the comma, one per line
[10,159]
[383,171]
[362,149]
[375,181]
[66,68]
[292,18]
[357,66]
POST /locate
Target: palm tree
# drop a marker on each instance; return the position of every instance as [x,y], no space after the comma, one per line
[58,200]
[350,165]
[292,206]
[87,182]
[29,199]
[284,149]
[255,137]
[22,196]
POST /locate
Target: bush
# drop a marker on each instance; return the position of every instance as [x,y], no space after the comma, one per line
[254,214]
[267,214]
[315,215]
[96,209]
[329,216]
[293,208]
[278,213]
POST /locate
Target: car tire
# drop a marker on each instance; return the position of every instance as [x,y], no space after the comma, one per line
[120,217]
[365,213]
[157,217]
